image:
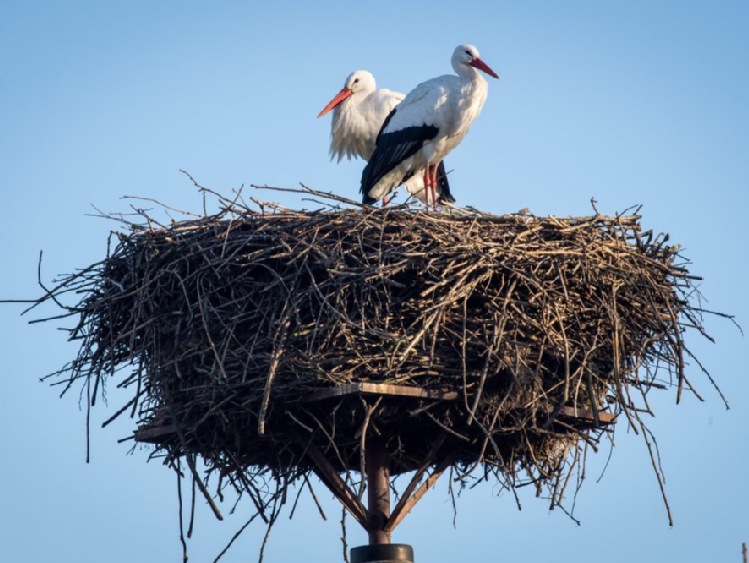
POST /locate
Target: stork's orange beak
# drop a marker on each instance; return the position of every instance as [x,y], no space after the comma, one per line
[339,97]
[481,65]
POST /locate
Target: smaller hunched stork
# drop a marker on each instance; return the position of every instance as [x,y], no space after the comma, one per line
[359,110]
[428,124]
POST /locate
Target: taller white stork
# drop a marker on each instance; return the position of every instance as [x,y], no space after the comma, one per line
[359,110]
[429,123]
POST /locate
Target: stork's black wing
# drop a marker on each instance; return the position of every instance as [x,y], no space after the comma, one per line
[392,148]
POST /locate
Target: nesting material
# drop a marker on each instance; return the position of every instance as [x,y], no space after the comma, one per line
[260,341]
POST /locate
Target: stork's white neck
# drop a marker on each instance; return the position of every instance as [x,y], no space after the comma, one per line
[476,91]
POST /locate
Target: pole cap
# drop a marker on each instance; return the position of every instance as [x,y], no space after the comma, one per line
[383,553]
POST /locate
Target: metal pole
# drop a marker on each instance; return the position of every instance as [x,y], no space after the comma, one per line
[378,490]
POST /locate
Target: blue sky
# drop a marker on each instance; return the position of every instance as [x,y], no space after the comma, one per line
[628,102]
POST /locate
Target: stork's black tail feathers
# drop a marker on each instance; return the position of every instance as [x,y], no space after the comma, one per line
[443,185]
[365,197]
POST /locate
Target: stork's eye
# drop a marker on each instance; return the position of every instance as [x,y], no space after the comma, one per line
[468,53]
[356,80]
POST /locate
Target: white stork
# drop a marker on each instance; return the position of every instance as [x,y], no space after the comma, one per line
[359,110]
[429,123]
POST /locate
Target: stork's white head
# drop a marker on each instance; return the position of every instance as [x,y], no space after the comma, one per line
[358,81]
[468,56]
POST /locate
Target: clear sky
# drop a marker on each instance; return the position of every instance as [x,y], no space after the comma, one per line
[635,102]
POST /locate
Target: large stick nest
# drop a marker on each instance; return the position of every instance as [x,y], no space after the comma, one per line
[526,336]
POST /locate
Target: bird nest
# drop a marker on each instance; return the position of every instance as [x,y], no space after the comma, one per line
[269,342]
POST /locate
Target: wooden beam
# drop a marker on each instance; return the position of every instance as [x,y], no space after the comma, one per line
[155,434]
[161,434]
[330,478]
[381,389]
[396,517]
[420,393]
[400,512]
[588,414]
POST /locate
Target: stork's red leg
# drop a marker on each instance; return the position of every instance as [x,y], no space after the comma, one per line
[432,186]
[427,179]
